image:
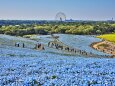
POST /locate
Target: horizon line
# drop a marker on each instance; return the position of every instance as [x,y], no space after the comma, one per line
[56,20]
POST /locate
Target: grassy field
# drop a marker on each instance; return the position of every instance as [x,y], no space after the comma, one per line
[108,37]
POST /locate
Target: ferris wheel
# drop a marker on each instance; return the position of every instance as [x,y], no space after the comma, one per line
[60,16]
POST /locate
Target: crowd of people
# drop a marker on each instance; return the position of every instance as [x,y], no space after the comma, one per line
[38,46]
[60,46]
[17,44]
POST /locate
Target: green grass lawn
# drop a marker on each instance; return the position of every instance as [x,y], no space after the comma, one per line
[108,37]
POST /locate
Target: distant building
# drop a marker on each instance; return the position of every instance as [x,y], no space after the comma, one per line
[110,20]
[71,20]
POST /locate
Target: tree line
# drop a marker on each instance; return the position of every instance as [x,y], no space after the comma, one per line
[79,28]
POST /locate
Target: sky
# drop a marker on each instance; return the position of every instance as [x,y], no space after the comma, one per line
[47,9]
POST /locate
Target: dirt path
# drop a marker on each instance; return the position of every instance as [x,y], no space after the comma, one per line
[104,46]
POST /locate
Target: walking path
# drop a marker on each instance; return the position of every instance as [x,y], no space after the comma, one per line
[104,46]
[56,44]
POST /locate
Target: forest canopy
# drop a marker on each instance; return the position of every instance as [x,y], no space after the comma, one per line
[44,28]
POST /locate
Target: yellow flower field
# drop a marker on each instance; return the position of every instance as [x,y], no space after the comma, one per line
[108,37]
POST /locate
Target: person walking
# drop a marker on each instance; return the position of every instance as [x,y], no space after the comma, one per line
[23,45]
